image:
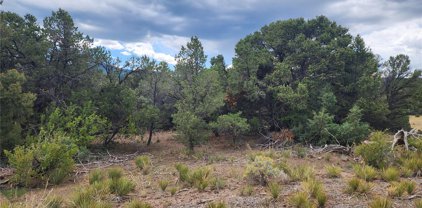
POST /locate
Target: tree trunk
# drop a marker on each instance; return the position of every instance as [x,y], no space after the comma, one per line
[151,128]
[191,145]
[109,139]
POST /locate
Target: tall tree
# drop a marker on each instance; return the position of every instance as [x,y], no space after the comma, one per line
[400,87]
[199,94]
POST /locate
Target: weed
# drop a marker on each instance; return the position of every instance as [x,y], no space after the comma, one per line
[216,205]
[274,189]
[321,198]
[137,204]
[13,193]
[301,152]
[247,190]
[143,162]
[301,173]
[333,171]
[115,173]
[163,184]
[121,186]
[410,186]
[365,172]
[377,153]
[396,190]
[183,171]
[53,202]
[217,183]
[391,174]
[381,202]
[300,200]
[173,190]
[356,185]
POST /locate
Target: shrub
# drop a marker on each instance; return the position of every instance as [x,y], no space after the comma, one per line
[121,186]
[301,173]
[333,171]
[418,203]
[390,174]
[143,163]
[262,170]
[163,184]
[199,178]
[115,173]
[365,172]
[96,176]
[377,152]
[246,190]
[231,123]
[216,205]
[47,161]
[183,171]
[356,185]
[137,204]
[381,202]
[217,183]
[274,189]
[300,200]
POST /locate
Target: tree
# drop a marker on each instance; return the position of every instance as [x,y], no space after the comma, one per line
[400,86]
[198,93]
[233,124]
[15,107]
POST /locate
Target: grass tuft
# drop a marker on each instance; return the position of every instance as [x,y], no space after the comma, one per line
[163,184]
[365,172]
[333,171]
[359,186]
[381,202]
[390,174]
[274,189]
[137,204]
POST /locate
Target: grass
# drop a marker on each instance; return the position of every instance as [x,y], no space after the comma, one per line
[173,190]
[216,205]
[274,189]
[397,189]
[13,193]
[163,184]
[300,200]
[416,122]
[88,197]
[115,173]
[390,174]
[418,203]
[121,186]
[137,204]
[301,173]
[365,172]
[381,202]
[143,162]
[54,202]
[359,186]
[96,176]
[217,183]
[247,190]
[333,171]
[183,171]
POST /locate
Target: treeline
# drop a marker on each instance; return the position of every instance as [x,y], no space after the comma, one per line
[310,76]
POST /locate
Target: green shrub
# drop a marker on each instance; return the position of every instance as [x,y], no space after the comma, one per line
[333,171]
[115,173]
[183,171]
[262,170]
[137,204]
[216,205]
[365,172]
[96,176]
[163,184]
[381,202]
[300,200]
[390,174]
[274,189]
[13,193]
[377,152]
[356,185]
[121,186]
[143,162]
[199,178]
[47,161]
[246,190]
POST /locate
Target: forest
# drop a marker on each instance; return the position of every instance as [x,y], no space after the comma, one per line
[295,86]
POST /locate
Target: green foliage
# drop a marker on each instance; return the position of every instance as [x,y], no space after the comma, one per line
[397,189]
[300,200]
[96,176]
[262,170]
[247,190]
[381,202]
[231,123]
[418,203]
[390,174]
[163,184]
[49,161]
[301,173]
[359,186]
[54,202]
[183,171]
[91,196]
[137,204]
[216,205]
[216,183]
[413,163]
[333,171]
[143,162]
[377,152]
[16,109]
[365,172]
[115,173]
[200,178]
[173,190]
[274,189]
[13,193]
[121,186]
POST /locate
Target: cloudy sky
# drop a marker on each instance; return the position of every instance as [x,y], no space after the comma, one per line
[158,28]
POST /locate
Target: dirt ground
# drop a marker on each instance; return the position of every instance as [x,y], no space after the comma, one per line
[227,162]
[416,122]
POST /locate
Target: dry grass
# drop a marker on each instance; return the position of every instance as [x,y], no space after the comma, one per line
[416,122]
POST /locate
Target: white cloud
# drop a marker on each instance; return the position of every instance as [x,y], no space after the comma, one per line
[144,48]
[125,53]
[110,44]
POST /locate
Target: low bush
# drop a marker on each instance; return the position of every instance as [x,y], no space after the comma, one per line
[137,204]
[377,151]
[262,170]
[381,202]
[359,186]
[390,174]
[333,171]
[143,162]
[365,172]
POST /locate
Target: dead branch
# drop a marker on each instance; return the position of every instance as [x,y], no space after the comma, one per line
[403,136]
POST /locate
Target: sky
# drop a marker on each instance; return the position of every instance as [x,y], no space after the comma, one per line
[158,28]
